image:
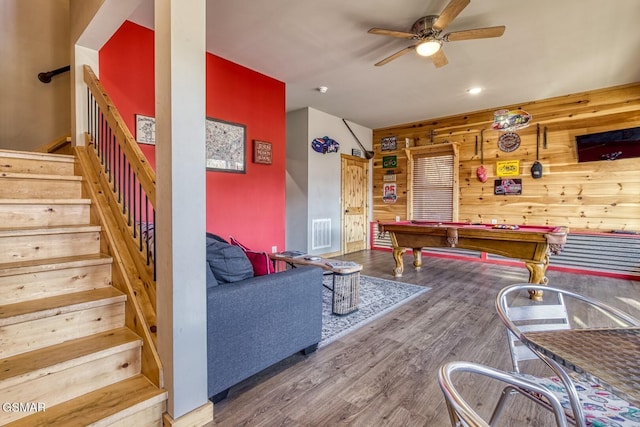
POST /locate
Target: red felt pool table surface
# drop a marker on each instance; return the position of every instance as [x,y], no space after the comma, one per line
[520,228]
[529,243]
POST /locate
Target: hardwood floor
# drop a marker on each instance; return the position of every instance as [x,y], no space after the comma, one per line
[385,373]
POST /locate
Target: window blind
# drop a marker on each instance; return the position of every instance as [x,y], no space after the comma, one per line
[432,188]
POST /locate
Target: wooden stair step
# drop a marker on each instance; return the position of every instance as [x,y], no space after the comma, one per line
[31,325]
[48,242]
[59,373]
[26,280]
[36,163]
[131,402]
[30,186]
[56,305]
[39,265]
[45,361]
[16,213]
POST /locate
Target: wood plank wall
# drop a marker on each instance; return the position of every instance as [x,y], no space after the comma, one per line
[590,196]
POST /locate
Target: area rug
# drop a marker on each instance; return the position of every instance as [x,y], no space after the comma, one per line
[377,298]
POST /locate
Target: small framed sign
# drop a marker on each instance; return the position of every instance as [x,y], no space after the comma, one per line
[145,129]
[390,192]
[508,168]
[507,187]
[262,152]
[389,143]
[389,162]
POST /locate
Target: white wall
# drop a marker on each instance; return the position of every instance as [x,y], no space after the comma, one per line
[34,37]
[323,174]
[297,181]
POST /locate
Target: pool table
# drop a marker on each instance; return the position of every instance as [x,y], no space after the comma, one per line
[529,243]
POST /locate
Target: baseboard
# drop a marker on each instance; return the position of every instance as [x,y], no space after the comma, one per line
[199,417]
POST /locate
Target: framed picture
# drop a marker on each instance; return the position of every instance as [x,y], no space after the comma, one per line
[145,129]
[389,162]
[507,187]
[389,143]
[262,152]
[226,143]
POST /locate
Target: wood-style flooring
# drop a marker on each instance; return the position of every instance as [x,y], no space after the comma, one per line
[385,373]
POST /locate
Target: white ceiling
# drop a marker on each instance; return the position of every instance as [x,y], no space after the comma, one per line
[550,48]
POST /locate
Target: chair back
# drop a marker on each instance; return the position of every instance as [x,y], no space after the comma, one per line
[532,316]
[462,414]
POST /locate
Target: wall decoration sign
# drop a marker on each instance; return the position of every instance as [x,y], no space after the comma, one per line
[389,143]
[507,186]
[509,142]
[262,152]
[389,162]
[356,152]
[325,145]
[508,168]
[145,129]
[225,143]
[389,192]
[510,120]
[390,177]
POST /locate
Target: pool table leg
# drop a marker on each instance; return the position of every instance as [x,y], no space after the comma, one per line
[537,272]
[397,255]
[417,258]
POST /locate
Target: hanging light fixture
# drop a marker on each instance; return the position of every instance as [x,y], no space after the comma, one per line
[428,47]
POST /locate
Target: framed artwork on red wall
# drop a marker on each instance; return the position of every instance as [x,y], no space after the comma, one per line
[226,144]
[262,152]
[145,129]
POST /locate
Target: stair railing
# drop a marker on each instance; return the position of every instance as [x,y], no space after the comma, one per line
[132,180]
[122,183]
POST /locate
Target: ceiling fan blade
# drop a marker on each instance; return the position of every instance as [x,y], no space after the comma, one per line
[395,55]
[478,33]
[449,13]
[392,33]
[439,59]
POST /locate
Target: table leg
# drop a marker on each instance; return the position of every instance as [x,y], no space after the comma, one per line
[417,258]
[397,255]
[537,272]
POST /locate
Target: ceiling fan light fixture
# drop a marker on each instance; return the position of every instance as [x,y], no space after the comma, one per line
[428,47]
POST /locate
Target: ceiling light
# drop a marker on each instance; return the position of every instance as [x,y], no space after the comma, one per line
[323,89]
[474,90]
[428,47]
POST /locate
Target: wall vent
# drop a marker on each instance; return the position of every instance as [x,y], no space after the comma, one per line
[320,233]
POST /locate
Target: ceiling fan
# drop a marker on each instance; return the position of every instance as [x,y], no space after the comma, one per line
[428,32]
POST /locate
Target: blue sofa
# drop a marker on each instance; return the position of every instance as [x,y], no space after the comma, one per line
[258,321]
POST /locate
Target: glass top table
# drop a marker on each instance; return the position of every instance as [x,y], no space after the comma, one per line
[607,356]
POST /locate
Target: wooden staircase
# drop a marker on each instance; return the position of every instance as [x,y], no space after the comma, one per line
[66,356]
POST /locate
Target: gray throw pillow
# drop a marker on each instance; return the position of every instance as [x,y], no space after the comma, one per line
[228,263]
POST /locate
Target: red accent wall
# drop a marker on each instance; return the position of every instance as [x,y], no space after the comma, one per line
[250,206]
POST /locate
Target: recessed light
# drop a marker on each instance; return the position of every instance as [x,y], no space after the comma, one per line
[474,90]
[323,89]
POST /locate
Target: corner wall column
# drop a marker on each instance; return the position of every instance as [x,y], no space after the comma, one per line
[180,84]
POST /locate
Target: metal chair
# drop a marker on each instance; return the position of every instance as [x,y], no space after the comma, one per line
[460,411]
[551,314]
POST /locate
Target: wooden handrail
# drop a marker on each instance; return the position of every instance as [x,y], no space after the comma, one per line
[132,152]
[55,146]
[122,186]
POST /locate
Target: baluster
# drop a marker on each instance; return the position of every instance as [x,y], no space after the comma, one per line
[155,256]
[135,225]
[146,221]
[140,211]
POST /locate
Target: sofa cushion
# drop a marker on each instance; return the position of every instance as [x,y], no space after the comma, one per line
[228,263]
[260,261]
[216,237]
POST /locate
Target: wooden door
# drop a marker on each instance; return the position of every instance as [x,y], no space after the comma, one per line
[355,196]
